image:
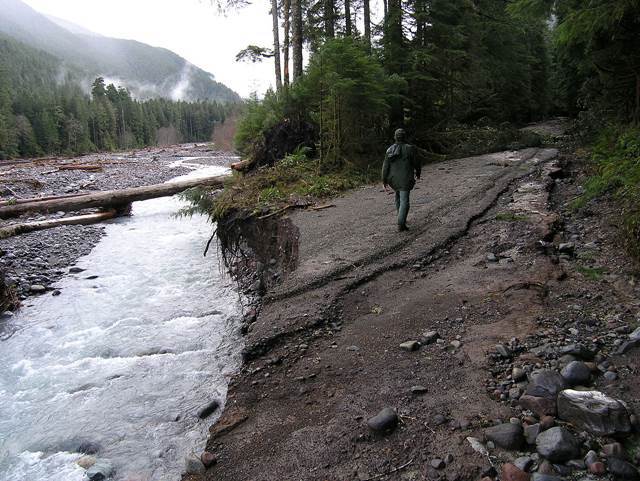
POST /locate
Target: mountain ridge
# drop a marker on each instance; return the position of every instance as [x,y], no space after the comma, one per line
[146,71]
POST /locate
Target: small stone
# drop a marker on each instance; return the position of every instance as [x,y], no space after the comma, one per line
[37,288]
[540,405]
[455,344]
[610,376]
[507,436]
[622,469]
[510,472]
[546,467]
[566,247]
[439,419]
[545,477]
[518,374]
[448,459]
[85,462]
[531,433]
[579,351]
[597,468]
[419,390]
[410,346]
[193,465]
[557,445]
[477,446]
[590,458]
[385,420]
[208,459]
[101,470]
[524,463]
[576,373]
[613,450]
[438,463]
[547,422]
[208,409]
[503,351]
[546,384]
[514,393]
[491,257]
[430,337]
[353,348]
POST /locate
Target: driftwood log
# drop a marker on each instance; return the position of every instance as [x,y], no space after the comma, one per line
[17,229]
[116,199]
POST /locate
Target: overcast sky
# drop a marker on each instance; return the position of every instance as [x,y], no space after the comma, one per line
[192,28]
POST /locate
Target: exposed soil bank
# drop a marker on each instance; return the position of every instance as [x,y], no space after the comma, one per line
[480,266]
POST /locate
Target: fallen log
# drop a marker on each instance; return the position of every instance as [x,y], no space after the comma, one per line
[17,229]
[241,166]
[80,167]
[110,198]
[38,199]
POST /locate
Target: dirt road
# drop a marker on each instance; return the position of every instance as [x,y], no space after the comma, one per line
[480,266]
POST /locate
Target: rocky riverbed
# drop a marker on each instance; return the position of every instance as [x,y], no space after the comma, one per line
[32,262]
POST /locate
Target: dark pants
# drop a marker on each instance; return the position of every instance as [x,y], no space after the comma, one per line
[402,206]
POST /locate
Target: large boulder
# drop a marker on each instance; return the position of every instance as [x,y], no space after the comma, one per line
[546,384]
[594,412]
[507,436]
[557,445]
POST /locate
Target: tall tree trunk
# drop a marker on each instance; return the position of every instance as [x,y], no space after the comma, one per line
[296,13]
[394,55]
[384,10]
[347,17]
[329,18]
[367,23]
[286,6]
[276,43]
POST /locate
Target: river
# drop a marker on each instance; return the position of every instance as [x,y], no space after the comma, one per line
[122,360]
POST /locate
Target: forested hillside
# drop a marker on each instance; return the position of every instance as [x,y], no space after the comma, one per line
[44,110]
[147,72]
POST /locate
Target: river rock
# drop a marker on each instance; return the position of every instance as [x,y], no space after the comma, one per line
[507,436]
[540,405]
[579,351]
[594,412]
[37,288]
[518,374]
[531,433]
[627,346]
[546,384]
[102,469]
[410,346]
[208,409]
[613,450]
[192,465]
[545,477]
[510,472]
[523,462]
[557,445]
[85,462]
[208,459]
[385,420]
[429,337]
[576,373]
[622,470]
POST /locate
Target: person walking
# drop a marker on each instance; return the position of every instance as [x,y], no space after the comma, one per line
[400,170]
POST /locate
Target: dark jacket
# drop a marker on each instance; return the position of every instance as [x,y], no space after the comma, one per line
[401,167]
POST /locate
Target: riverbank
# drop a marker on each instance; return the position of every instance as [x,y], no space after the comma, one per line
[33,262]
[446,326]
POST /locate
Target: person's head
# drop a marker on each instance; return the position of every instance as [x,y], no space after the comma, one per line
[399,135]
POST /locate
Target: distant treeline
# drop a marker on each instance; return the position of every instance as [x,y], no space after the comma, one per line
[65,120]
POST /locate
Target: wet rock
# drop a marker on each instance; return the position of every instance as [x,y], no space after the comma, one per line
[594,412]
[622,469]
[410,346]
[510,472]
[102,469]
[546,384]
[507,436]
[540,405]
[576,373]
[385,420]
[524,463]
[531,433]
[208,459]
[557,445]
[417,390]
[85,462]
[75,270]
[208,409]
[37,288]
[193,465]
